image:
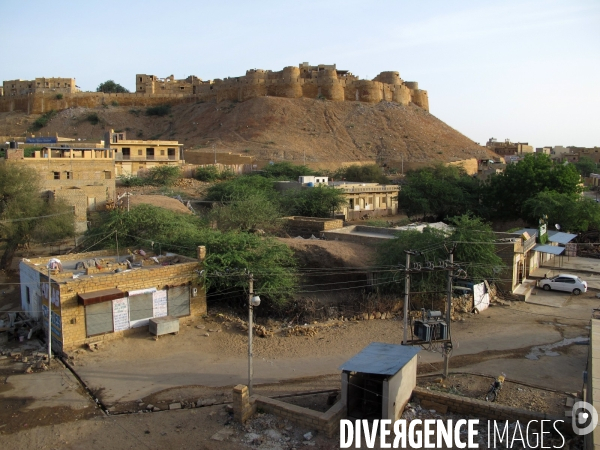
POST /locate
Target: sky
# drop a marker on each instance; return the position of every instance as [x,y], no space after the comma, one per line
[528,71]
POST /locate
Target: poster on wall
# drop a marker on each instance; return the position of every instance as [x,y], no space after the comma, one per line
[120,314]
[159,300]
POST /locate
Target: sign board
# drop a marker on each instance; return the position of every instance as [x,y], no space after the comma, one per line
[120,314]
[159,301]
[41,140]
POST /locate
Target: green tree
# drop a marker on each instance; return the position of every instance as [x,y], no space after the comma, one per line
[440,191]
[163,175]
[228,253]
[506,193]
[318,201]
[474,252]
[249,213]
[585,166]
[286,171]
[25,215]
[241,187]
[110,87]
[572,212]
[367,174]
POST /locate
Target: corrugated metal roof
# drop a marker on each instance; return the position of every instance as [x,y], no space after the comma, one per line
[381,359]
[560,237]
[548,249]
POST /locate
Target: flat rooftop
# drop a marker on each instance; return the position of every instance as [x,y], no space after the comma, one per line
[104,263]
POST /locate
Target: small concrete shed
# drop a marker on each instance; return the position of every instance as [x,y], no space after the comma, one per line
[378,382]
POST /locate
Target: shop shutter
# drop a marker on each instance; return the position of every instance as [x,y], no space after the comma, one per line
[178,301]
[98,318]
[141,308]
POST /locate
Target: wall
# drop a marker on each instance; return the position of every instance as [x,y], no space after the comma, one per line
[328,422]
[307,226]
[291,82]
[470,165]
[30,278]
[591,391]
[207,157]
[398,389]
[481,408]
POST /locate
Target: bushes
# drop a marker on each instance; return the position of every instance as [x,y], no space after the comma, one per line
[212,173]
[42,121]
[157,176]
[161,110]
[59,96]
[93,118]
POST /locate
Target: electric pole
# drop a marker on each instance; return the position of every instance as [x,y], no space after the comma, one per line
[448,344]
[406,295]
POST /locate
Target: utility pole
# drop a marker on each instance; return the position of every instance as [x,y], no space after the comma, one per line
[215,151]
[49,316]
[250,325]
[448,345]
[406,296]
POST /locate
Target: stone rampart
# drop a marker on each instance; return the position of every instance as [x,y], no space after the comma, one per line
[292,82]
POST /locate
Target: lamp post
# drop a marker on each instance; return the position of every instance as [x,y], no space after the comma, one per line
[253,300]
[49,315]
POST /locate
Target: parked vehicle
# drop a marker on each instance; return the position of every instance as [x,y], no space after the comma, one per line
[564,282]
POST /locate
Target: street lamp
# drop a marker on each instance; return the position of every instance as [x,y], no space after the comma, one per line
[49,266]
[253,300]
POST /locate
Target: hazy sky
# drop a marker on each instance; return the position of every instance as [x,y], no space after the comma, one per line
[524,70]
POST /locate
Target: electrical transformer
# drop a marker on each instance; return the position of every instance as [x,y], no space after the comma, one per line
[431,327]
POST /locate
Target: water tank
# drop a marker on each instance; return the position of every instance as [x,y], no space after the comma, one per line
[310,184]
[13,144]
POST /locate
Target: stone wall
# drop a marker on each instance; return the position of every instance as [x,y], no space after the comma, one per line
[307,226]
[328,422]
[292,82]
[480,408]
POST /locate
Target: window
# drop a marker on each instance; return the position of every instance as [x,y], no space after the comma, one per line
[162,153]
[56,175]
[140,80]
[121,136]
[126,153]
[69,175]
[140,152]
[171,153]
[149,153]
[27,295]
[107,175]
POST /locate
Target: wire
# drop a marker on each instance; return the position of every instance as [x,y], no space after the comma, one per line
[37,217]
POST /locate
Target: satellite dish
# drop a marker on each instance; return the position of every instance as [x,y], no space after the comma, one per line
[557,226]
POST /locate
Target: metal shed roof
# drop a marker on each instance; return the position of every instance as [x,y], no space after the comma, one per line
[560,237]
[548,249]
[381,359]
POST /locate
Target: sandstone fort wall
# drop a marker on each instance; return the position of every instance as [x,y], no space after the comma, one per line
[322,81]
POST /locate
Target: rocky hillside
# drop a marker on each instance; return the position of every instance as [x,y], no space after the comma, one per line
[321,132]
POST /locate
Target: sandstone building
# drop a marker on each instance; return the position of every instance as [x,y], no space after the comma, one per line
[322,81]
[133,156]
[508,148]
[83,177]
[39,85]
[101,295]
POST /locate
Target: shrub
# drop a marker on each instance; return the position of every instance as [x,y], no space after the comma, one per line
[114,103]
[132,180]
[93,118]
[135,112]
[212,173]
[43,120]
[161,110]
[59,96]
[163,175]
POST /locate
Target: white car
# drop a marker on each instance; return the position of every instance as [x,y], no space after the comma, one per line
[564,282]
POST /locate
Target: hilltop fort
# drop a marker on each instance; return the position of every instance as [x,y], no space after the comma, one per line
[304,81]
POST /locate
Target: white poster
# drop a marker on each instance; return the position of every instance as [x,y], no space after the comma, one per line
[121,314]
[481,298]
[159,303]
